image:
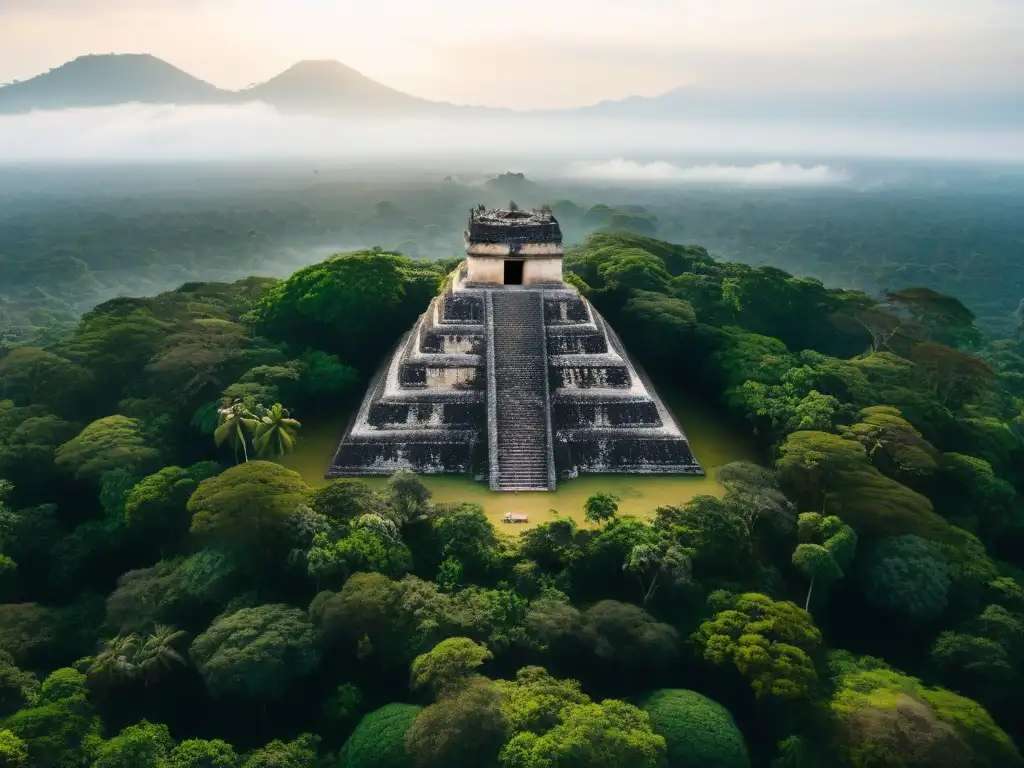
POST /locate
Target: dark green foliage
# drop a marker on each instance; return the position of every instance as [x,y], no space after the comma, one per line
[30,376]
[113,442]
[625,635]
[25,631]
[969,493]
[154,508]
[325,376]
[373,544]
[110,567]
[343,705]
[256,652]
[661,323]
[199,753]
[711,530]
[880,713]
[343,500]
[63,683]
[467,727]
[698,732]
[772,644]
[448,665]
[139,746]
[379,739]
[906,576]
[373,296]
[463,531]
[13,752]
[17,687]
[246,506]
[600,507]
[300,753]
[56,733]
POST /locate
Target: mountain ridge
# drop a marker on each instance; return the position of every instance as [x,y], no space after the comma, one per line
[88,81]
[314,86]
[333,88]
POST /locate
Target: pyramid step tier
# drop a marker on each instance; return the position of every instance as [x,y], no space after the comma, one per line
[520,385]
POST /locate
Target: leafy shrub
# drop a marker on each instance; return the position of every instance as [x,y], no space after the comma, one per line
[379,739]
[699,732]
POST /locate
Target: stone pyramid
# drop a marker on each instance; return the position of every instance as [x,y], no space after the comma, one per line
[513,376]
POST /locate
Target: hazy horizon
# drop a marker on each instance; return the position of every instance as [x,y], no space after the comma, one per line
[257,132]
[548,55]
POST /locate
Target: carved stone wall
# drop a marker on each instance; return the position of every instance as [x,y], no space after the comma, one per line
[432,406]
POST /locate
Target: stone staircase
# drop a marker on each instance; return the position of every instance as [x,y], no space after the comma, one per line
[518,415]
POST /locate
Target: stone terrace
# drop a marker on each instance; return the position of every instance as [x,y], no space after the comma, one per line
[519,384]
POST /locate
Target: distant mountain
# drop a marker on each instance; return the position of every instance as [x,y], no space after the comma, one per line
[107,80]
[330,86]
[309,86]
[515,186]
[333,88]
[726,104]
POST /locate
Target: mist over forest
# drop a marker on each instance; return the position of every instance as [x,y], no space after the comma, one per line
[257,131]
[75,234]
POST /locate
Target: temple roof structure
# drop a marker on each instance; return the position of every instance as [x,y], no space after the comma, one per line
[504,225]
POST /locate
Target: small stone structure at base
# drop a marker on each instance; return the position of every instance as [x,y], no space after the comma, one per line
[519,383]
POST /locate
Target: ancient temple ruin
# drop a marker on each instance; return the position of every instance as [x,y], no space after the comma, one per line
[513,376]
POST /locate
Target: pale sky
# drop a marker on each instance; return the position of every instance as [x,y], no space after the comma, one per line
[544,53]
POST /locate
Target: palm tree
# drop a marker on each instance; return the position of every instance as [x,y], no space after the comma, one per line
[235,423]
[276,432]
[157,654]
[117,660]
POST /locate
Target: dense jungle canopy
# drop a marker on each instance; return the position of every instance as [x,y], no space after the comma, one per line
[168,602]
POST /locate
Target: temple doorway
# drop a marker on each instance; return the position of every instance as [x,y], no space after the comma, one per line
[513,273]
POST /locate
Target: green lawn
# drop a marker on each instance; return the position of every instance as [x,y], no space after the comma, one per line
[714,442]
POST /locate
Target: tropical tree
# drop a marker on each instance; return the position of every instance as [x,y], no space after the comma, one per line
[13,752]
[157,653]
[17,687]
[699,732]
[247,508]
[408,493]
[826,548]
[590,735]
[155,507]
[275,432]
[200,753]
[465,728]
[907,576]
[378,741]
[772,644]
[448,665]
[256,652]
[113,442]
[654,565]
[235,423]
[300,753]
[56,734]
[600,507]
[145,745]
[131,657]
[63,683]
[116,661]
[879,711]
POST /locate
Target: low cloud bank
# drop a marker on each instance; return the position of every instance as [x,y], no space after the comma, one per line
[255,130]
[768,174]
